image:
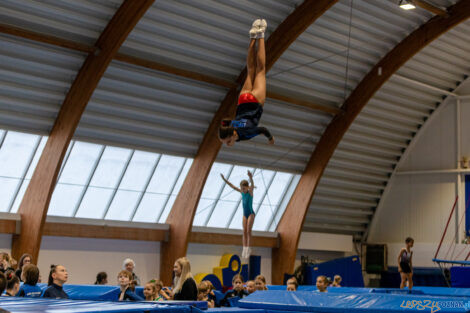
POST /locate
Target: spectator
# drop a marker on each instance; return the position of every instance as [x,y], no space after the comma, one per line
[3,283]
[237,290]
[322,283]
[6,262]
[292,284]
[260,283]
[124,281]
[150,291]
[185,287]
[13,284]
[250,286]
[24,260]
[211,294]
[57,278]
[101,278]
[337,281]
[129,265]
[203,290]
[159,285]
[30,277]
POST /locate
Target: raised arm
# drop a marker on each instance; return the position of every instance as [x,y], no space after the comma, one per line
[229,183]
[252,183]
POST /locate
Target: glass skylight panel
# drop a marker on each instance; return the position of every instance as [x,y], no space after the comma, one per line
[123,205]
[223,212]
[19,196]
[80,163]
[110,167]
[7,192]
[166,211]
[94,203]
[36,157]
[236,222]
[139,170]
[166,174]
[16,153]
[64,199]
[262,179]
[150,207]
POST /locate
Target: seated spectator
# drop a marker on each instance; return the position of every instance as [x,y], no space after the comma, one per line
[250,286]
[166,293]
[211,294]
[159,285]
[152,290]
[129,265]
[185,287]
[13,284]
[30,278]
[57,278]
[237,290]
[203,290]
[337,281]
[24,260]
[125,282]
[260,283]
[101,278]
[292,284]
[322,283]
[7,263]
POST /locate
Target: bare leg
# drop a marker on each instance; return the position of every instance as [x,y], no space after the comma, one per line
[250,67]
[259,85]
[403,280]
[245,237]
[410,280]
[249,226]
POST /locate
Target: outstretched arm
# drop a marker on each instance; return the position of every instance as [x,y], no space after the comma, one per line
[252,183]
[229,183]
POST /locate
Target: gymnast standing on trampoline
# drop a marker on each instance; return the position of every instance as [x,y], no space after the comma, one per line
[252,96]
[405,266]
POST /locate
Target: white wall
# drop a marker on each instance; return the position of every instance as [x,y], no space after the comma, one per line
[418,205]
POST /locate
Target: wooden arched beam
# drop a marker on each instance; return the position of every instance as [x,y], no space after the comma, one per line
[182,213]
[291,223]
[33,208]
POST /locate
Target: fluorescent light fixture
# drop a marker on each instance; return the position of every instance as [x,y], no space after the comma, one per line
[407,5]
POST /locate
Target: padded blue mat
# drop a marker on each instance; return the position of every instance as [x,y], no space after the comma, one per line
[234,310]
[40,305]
[303,301]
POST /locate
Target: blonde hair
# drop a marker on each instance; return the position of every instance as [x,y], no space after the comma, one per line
[337,279]
[185,273]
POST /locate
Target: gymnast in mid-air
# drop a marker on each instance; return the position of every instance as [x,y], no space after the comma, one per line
[252,95]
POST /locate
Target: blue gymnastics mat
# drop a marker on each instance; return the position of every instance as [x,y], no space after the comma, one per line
[41,305]
[304,301]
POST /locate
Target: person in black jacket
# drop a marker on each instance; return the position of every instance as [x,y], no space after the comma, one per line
[237,290]
[57,278]
[185,287]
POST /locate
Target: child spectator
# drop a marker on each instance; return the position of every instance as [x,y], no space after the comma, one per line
[13,284]
[322,283]
[260,283]
[203,290]
[250,286]
[150,291]
[57,278]
[101,278]
[30,277]
[6,262]
[337,281]
[211,295]
[292,284]
[237,290]
[125,280]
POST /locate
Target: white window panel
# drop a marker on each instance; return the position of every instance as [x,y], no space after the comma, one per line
[64,199]
[138,171]
[167,209]
[19,197]
[214,182]
[166,174]
[261,179]
[16,153]
[7,192]
[123,205]
[80,163]
[94,202]
[237,221]
[36,157]
[150,207]
[282,206]
[222,213]
[203,210]
[182,177]
[110,167]
[277,188]
[263,216]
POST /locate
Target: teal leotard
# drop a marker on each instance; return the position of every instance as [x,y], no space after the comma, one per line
[247,202]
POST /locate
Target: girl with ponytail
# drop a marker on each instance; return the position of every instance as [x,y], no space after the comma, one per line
[252,96]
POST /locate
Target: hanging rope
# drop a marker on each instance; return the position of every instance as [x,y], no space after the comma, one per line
[348,50]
